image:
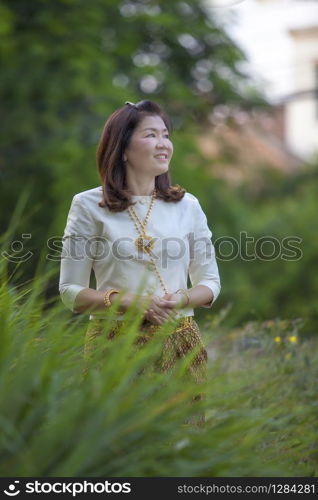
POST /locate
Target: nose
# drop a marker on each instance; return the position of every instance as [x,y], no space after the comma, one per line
[161,143]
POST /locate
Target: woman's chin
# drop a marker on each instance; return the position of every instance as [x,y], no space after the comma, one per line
[162,170]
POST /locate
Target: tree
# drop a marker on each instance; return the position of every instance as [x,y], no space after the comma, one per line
[67,65]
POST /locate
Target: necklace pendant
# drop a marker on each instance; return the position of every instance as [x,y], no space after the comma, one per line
[145,243]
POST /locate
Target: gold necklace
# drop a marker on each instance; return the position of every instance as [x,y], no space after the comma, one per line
[145,242]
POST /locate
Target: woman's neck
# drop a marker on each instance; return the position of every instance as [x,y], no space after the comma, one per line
[141,188]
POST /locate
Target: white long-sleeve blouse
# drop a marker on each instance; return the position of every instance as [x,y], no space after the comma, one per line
[96,239]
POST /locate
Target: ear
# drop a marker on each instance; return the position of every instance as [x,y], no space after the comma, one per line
[124,158]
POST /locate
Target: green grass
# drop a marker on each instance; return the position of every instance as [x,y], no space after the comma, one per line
[260,403]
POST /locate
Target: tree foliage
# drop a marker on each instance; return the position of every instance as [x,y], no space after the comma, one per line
[67,65]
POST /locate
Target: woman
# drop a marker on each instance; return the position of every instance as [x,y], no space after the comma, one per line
[138,229]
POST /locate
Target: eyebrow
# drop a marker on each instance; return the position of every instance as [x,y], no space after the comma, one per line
[154,129]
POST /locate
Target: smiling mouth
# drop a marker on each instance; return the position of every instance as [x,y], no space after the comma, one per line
[162,157]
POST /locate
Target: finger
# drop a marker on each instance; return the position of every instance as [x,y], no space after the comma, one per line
[157,315]
[156,319]
[158,310]
[171,311]
[172,314]
[169,304]
[149,314]
[165,316]
[167,313]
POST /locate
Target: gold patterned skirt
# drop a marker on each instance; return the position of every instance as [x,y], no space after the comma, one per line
[183,339]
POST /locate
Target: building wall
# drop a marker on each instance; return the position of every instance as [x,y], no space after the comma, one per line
[301,127]
[281,41]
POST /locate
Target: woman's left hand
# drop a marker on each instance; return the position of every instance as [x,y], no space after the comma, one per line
[176,297]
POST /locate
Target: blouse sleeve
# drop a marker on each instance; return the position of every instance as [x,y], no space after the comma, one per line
[76,257]
[203,269]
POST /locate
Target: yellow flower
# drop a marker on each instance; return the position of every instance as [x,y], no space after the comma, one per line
[278,339]
[288,355]
[292,339]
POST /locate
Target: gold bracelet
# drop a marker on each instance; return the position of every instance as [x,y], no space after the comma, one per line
[186,294]
[107,295]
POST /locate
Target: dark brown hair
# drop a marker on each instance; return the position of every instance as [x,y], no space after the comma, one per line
[114,140]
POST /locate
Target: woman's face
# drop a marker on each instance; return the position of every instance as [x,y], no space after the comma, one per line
[150,149]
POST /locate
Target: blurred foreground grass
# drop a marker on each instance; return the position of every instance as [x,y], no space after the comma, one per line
[261,402]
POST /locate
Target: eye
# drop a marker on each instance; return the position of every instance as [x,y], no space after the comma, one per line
[152,134]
